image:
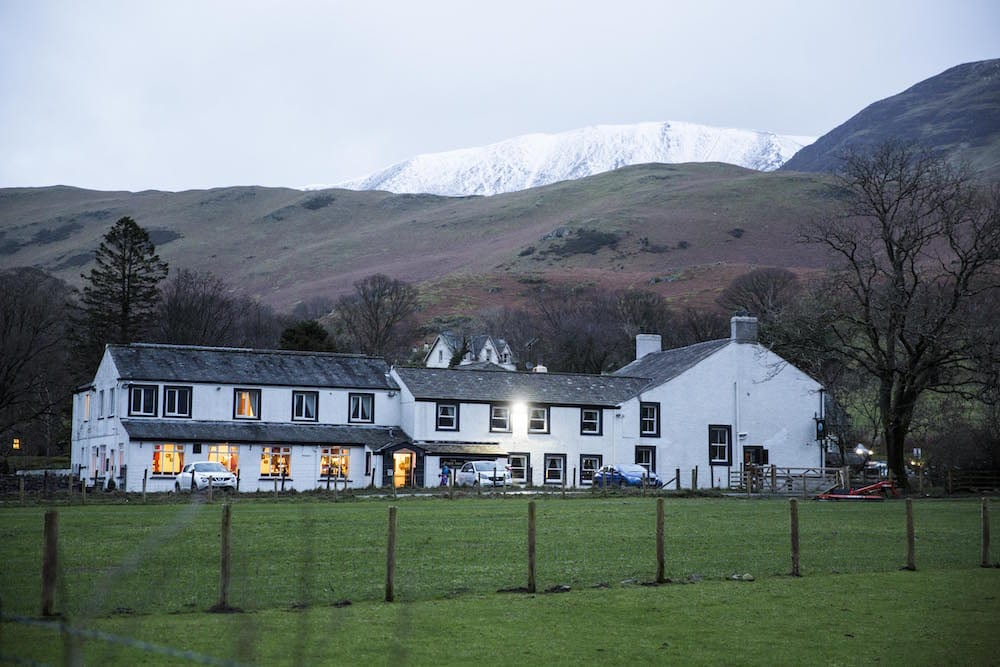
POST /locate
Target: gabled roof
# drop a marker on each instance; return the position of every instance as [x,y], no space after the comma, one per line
[482,366]
[491,386]
[668,364]
[188,430]
[224,365]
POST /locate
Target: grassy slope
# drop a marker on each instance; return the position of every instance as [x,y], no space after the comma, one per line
[284,245]
[149,572]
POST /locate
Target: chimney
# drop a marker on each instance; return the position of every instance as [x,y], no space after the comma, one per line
[647,344]
[743,329]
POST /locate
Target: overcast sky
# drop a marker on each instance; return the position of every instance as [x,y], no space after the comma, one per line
[181,94]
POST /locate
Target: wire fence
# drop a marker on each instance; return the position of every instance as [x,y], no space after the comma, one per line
[134,560]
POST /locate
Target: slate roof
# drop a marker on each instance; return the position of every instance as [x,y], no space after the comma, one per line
[482,366]
[660,367]
[187,363]
[491,386]
[188,430]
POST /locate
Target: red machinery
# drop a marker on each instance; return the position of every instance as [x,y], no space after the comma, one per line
[877,491]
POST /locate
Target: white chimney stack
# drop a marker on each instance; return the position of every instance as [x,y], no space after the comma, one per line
[743,329]
[647,344]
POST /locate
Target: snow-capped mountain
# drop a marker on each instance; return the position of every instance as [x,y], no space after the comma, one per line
[539,159]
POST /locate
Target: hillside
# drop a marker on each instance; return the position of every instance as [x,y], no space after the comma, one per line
[956,113]
[681,229]
[534,160]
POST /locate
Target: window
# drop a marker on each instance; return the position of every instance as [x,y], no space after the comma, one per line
[649,420]
[177,401]
[86,406]
[646,457]
[334,462]
[276,462]
[362,408]
[590,421]
[720,450]
[520,468]
[226,454]
[447,417]
[589,464]
[111,402]
[100,404]
[304,406]
[500,418]
[538,419]
[142,400]
[246,404]
[168,459]
[555,468]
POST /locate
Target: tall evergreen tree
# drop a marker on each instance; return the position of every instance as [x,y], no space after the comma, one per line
[119,299]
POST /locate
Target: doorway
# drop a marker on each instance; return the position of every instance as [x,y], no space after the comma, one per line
[402,468]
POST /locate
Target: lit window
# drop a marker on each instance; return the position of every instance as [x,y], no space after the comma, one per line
[519,464]
[590,421]
[86,406]
[649,420]
[646,457]
[589,464]
[362,408]
[719,449]
[247,405]
[227,455]
[500,418]
[17,443]
[334,462]
[447,417]
[168,459]
[142,401]
[304,405]
[538,420]
[555,468]
[177,401]
[276,462]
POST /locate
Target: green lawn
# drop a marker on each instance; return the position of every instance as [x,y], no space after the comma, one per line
[150,572]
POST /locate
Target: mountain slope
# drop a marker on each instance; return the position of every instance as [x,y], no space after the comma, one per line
[679,229]
[956,113]
[540,159]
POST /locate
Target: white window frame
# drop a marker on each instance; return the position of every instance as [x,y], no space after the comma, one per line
[533,418]
[649,465]
[500,419]
[596,426]
[111,402]
[176,392]
[444,421]
[254,399]
[644,430]
[283,454]
[560,468]
[587,473]
[300,404]
[519,474]
[356,408]
[714,445]
[147,400]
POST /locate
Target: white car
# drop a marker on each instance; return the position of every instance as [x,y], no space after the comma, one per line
[483,473]
[205,473]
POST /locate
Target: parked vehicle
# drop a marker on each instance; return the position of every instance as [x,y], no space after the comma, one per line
[483,473]
[205,473]
[626,474]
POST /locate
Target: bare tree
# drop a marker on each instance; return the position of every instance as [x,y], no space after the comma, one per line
[34,380]
[196,308]
[373,315]
[763,293]
[918,249]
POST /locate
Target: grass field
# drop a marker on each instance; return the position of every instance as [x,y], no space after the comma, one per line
[150,572]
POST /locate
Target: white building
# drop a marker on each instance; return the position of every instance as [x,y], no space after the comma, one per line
[303,418]
[482,349]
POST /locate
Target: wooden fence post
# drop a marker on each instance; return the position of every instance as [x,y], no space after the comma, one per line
[911,563]
[660,556]
[531,546]
[210,490]
[390,555]
[275,487]
[986,533]
[564,485]
[145,474]
[794,512]
[677,479]
[20,488]
[694,479]
[50,563]
[224,560]
[83,490]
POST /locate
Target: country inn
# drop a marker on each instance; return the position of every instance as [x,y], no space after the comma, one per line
[308,419]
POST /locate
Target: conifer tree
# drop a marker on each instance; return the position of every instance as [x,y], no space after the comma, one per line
[118,303]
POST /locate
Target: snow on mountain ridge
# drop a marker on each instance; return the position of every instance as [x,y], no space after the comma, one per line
[533,160]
